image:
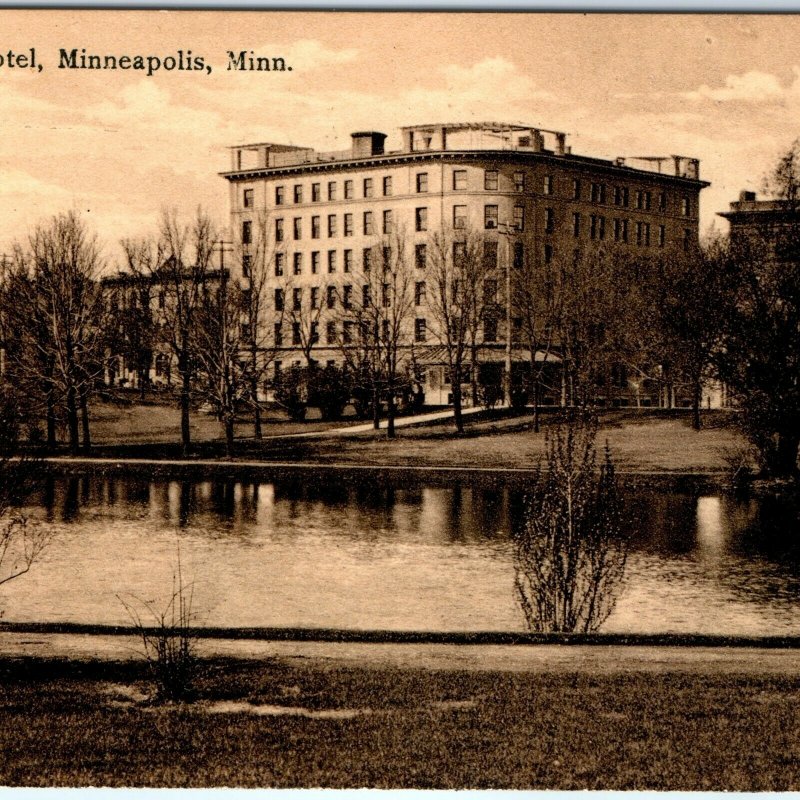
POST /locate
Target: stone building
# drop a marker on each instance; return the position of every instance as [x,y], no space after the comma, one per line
[520,187]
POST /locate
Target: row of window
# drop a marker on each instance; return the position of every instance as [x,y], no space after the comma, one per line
[598,192]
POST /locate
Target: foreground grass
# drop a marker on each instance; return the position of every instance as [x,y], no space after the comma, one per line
[71,724]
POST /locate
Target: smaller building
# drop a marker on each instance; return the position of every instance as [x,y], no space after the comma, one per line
[773,226]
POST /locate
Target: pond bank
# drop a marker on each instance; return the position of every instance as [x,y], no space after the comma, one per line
[384,475]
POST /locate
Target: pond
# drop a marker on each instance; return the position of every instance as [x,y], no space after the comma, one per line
[308,553]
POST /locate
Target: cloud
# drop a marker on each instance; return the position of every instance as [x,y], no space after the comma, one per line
[751,87]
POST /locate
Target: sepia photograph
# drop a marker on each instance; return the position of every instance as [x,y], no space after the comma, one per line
[399,400]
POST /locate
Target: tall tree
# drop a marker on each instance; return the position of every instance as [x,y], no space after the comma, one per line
[60,316]
[456,273]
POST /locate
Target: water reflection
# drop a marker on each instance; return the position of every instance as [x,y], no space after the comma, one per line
[364,554]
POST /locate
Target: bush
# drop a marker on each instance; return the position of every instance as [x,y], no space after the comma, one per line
[329,390]
[291,393]
[570,555]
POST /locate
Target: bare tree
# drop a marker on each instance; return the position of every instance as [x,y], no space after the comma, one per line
[58,314]
[456,272]
[570,556]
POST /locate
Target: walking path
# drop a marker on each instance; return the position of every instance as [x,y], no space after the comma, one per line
[594,659]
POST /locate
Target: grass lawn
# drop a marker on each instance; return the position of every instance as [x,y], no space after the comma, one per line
[89,723]
[639,440]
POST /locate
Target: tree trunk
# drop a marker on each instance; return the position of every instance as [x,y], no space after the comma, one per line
[457,416]
[254,395]
[697,394]
[376,408]
[474,375]
[784,461]
[186,435]
[72,421]
[535,405]
[229,434]
[51,421]
[390,434]
[87,439]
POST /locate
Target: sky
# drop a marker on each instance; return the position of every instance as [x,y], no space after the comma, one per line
[118,146]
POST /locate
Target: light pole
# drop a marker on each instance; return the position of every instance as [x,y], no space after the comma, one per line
[507,230]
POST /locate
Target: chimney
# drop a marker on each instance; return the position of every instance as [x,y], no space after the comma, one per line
[561,142]
[367,143]
[747,197]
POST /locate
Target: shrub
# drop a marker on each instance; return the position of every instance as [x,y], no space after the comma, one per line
[571,552]
[329,390]
[291,393]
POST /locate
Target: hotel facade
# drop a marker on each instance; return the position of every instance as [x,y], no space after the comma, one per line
[520,188]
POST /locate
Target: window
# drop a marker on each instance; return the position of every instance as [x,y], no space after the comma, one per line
[490,180]
[387,221]
[662,235]
[331,225]
[314,332]
[687,238]
[315,297]
[279,299]
[519,255]
[576,189]
[298,228]
[348,190]
[347,296]
[420,330]
[643,233]
[662,201]
[597,227]
[330,296]
[315,262]
[162,300]
[387,186]
[366,296]
[366,259]
[247,261]
[298,194]
[620,230]
[684,206]
[576,224]
[489,292]
[459,253]
[367,187]
[421,256]
[331,190]
[315,227]
[489,255]
[548,253]
[368,227]
[348,224]
[490,214]
[297,264]
[621,196]
[330,332]
[549,220]
[297,299]
[386,295]
[280,263]
[421,219]
[278,334]
[247,232]
[280,195]
[247,198]
[519,181]
[245,331]
[489,328]
[422,182]
[387,259]
[643,200]
[519,218]
[459,180]
[419,293]
[296,337]
[547,184]
[278,230]
[597,193]
[459,216]
[348,260]
[331,261]
[316,193]
[347,332]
